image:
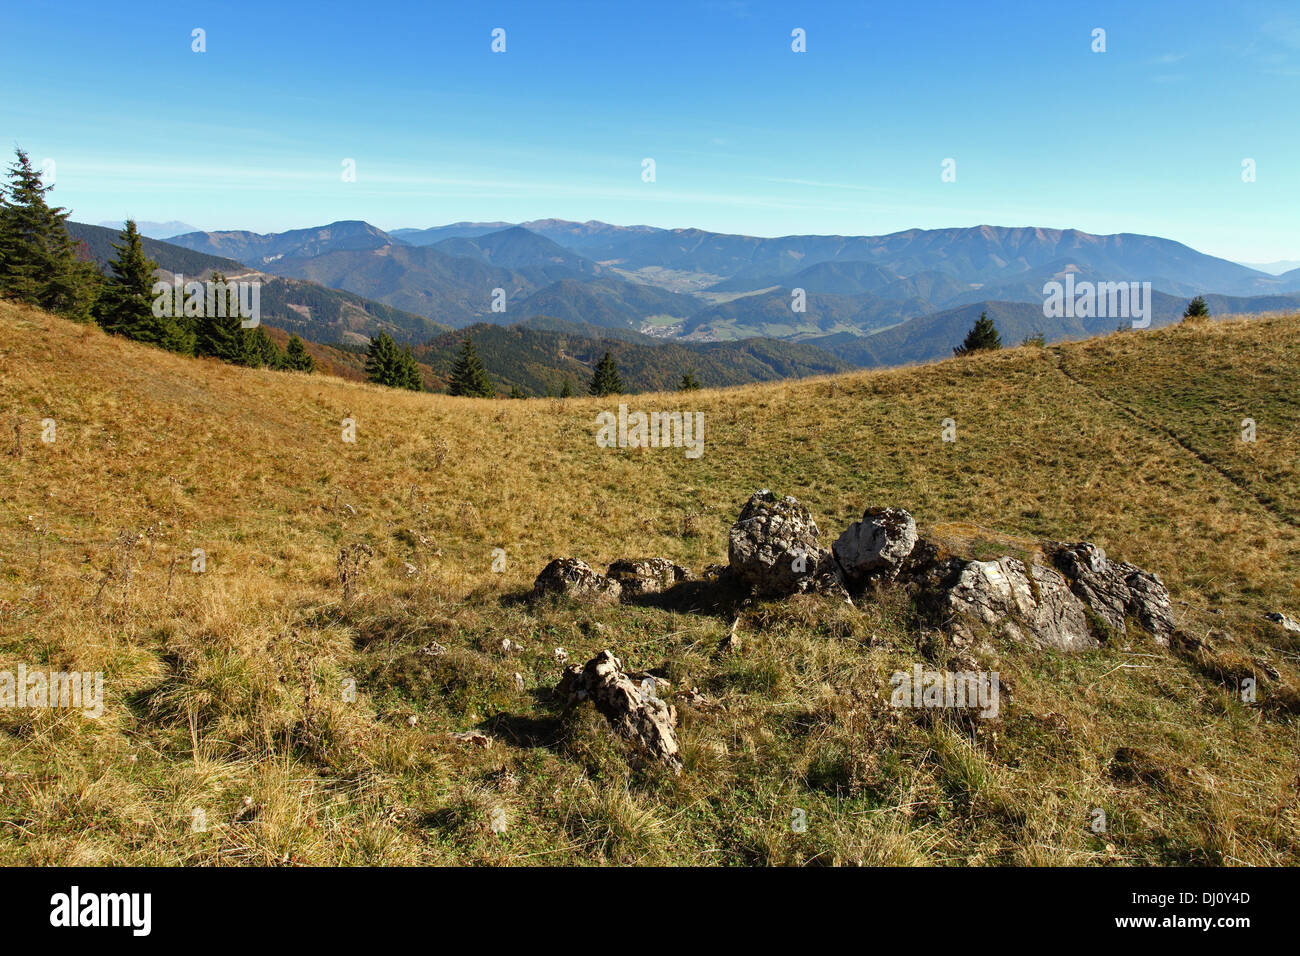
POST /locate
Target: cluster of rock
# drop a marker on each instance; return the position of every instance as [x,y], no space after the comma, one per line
[624,580]
[1076,600]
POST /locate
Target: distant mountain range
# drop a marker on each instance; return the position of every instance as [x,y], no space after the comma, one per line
[453,279]
[535,356]
[1273,268]
[312,311]
[870,300]
[154,230]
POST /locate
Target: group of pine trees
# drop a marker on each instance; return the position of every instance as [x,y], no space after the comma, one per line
[607,381]
[469,377]
[39,262]
[389,364]
[42,266]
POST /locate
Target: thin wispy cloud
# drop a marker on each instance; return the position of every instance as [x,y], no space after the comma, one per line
[823,184]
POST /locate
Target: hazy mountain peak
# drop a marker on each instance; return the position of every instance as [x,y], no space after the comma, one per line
[259,250]
[154,230]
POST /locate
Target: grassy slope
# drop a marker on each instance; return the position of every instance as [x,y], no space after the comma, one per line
[224,688]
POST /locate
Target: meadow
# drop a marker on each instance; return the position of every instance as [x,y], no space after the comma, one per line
[291,703]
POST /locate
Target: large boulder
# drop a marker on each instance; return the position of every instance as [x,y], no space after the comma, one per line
[646,576]
[773,547]
[632,709]
[575,579]
[876,545]
[1115,590]
[1027,604]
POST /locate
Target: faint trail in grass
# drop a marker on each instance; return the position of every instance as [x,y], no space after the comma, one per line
[1148,423]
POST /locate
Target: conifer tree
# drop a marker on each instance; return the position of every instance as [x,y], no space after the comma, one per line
[261,351]
[296,356]
[39,262]
[125,303]
[468,376]
[689,384]
[391,365]
[1196,309]
[408,370]
[219,335]
[381,360]
[567,390]
[983,336]
[606,380]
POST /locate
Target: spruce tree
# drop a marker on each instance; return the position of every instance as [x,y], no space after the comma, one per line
[689,384]
[296,356]
[606,380]
[1196,309]
[567,390]
[983,336]
[261,350]
[391,365]
[39,262]
[468,376]
[125,303]
[381,360]
[408,370]
[220,336]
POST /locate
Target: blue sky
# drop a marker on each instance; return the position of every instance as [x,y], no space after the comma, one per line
[747,136]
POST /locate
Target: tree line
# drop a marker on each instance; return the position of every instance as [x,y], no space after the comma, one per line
[469,377]
[41,265]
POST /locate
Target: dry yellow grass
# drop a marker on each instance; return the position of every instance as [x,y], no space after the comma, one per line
[225,689]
